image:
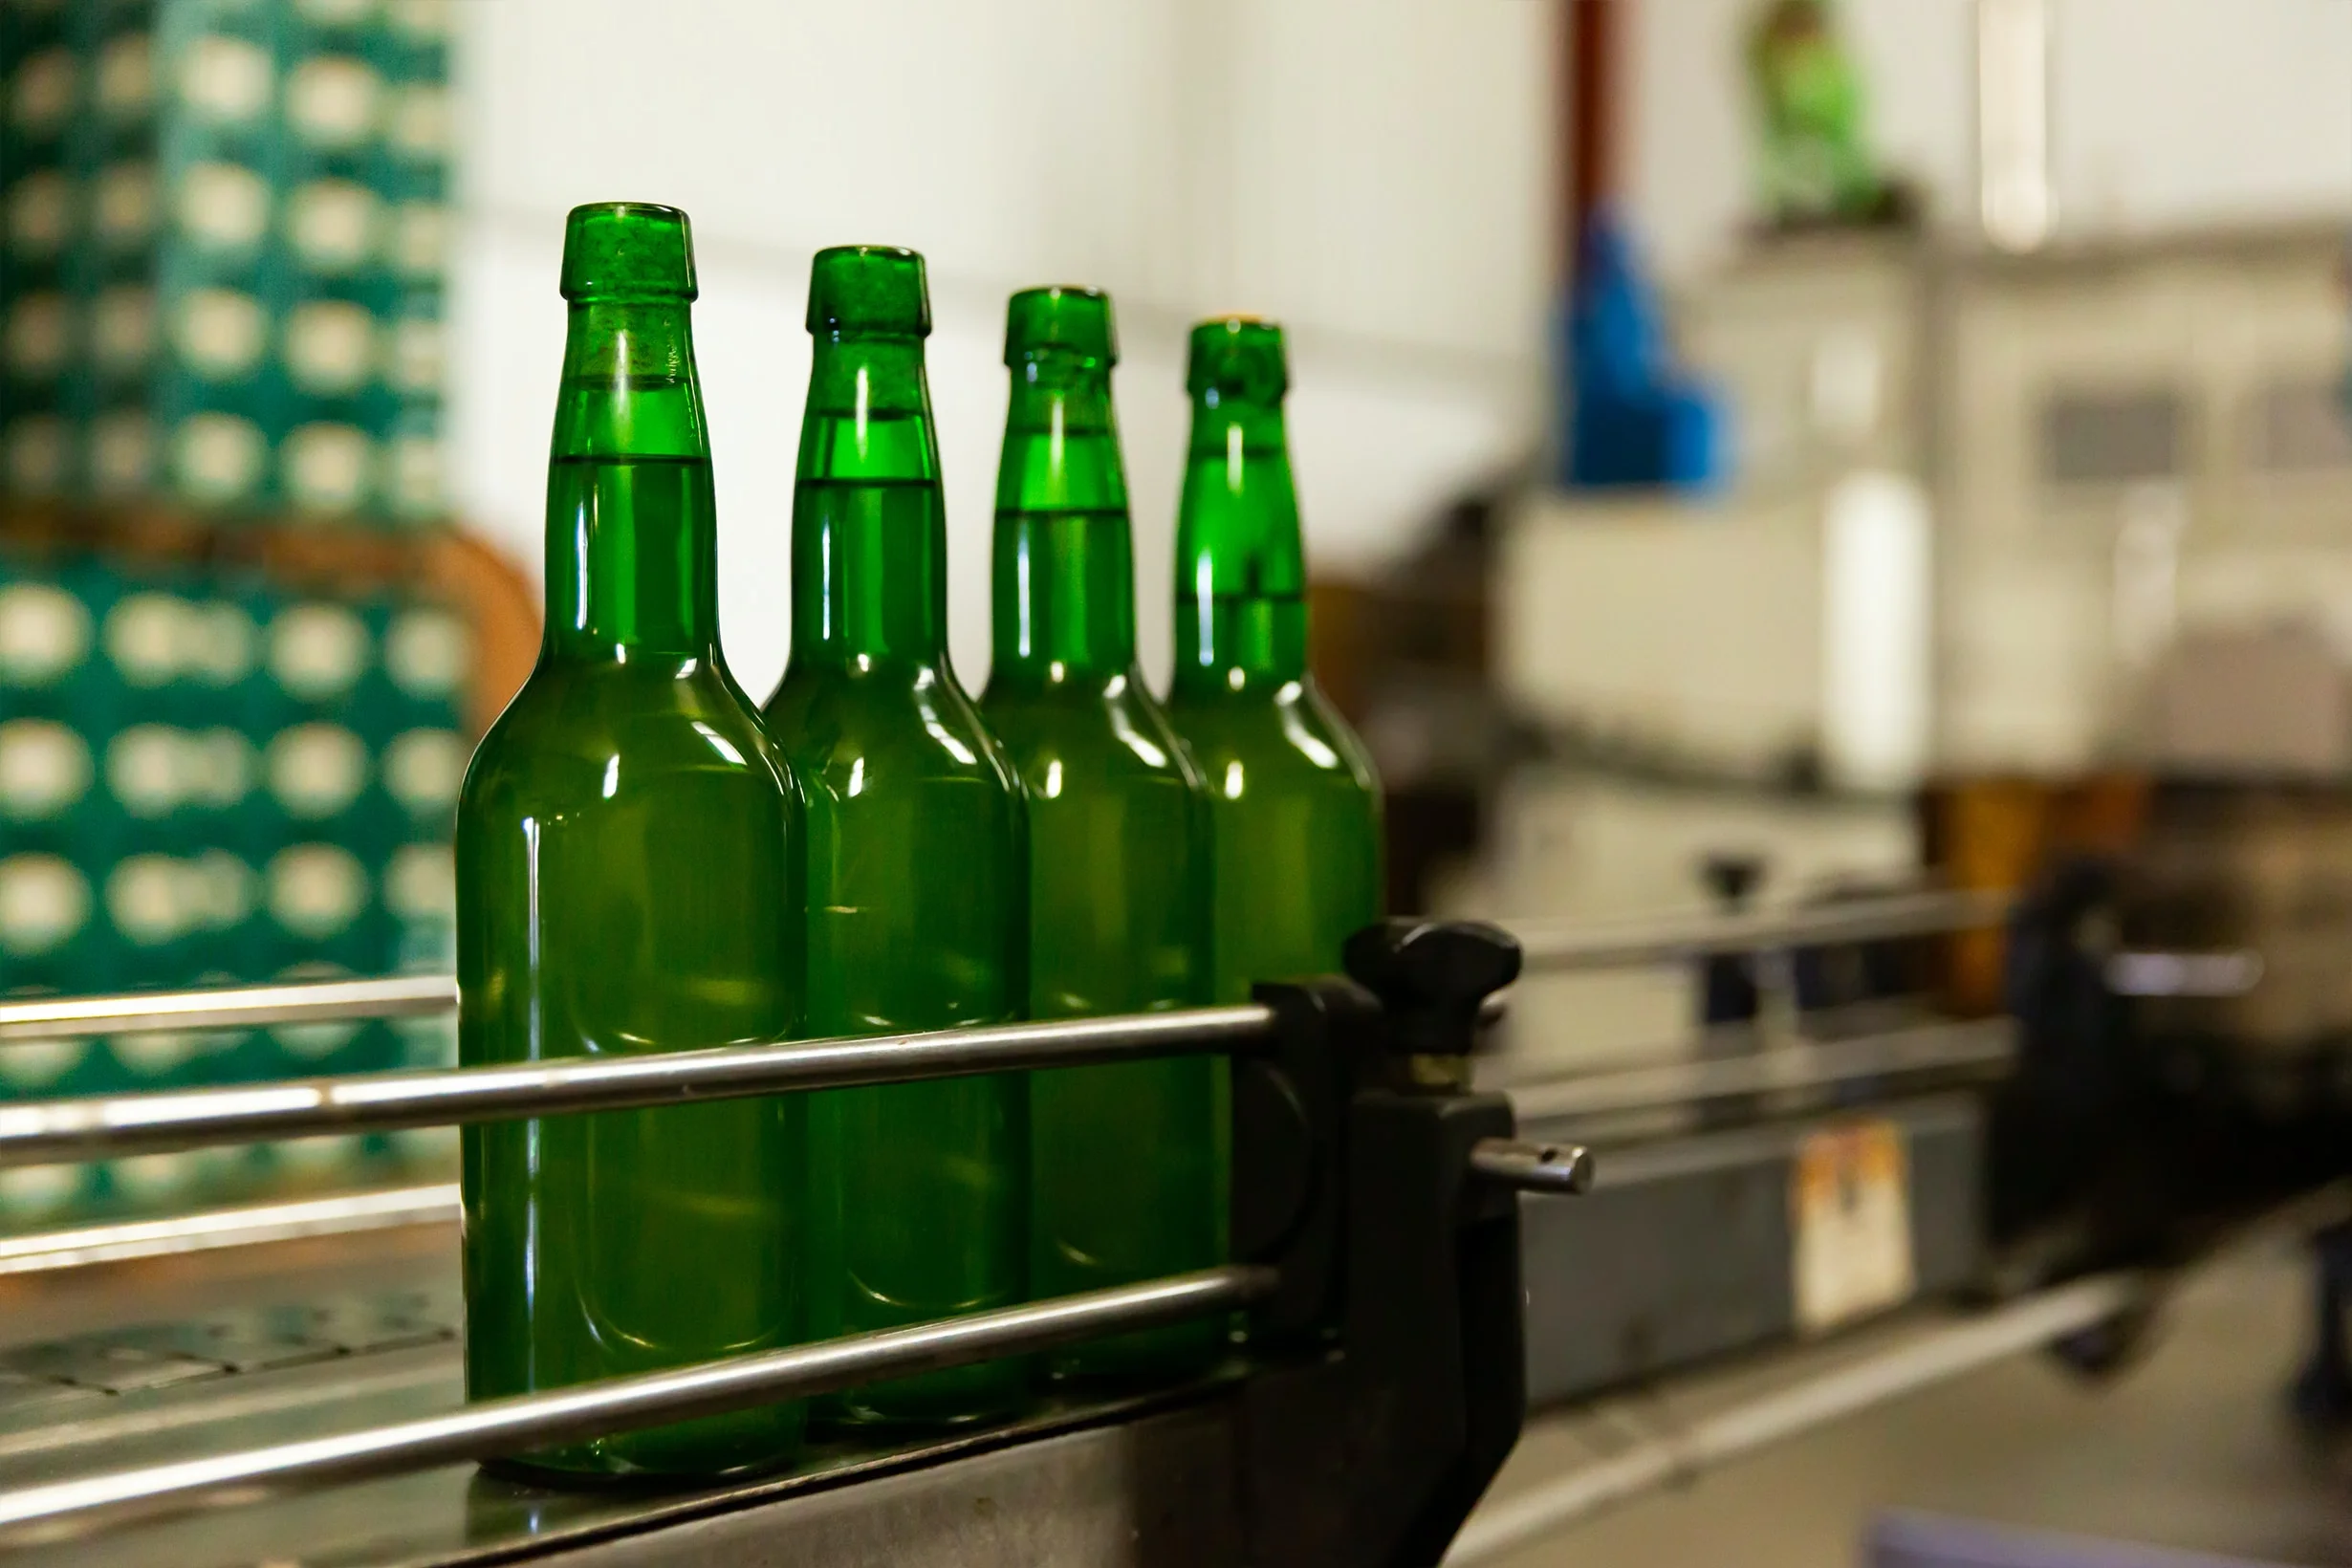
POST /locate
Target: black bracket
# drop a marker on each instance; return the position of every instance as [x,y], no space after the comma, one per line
[1396,1381]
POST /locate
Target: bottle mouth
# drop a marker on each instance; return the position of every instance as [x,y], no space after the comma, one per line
[1239,356]
[622,250]
[868,291]
[1060,319]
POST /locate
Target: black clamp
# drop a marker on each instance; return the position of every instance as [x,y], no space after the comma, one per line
[1729,993]
[1385,1192]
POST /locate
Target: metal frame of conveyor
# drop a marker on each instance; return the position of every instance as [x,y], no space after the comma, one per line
[1405,1311]
[1373,1220]
[1811,1028]
[1813,1033]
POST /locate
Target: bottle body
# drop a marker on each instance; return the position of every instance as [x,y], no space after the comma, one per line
[1127,1161]
[596,925]
[1294,821]
[629,865]
[914,891]
[628,859]
[914,860]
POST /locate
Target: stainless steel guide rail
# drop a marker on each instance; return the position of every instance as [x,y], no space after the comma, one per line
[296,1219]
[41,1132]
[1554,947]
[495,1427]
[1548,946]
[1969,1048]
[227,1007]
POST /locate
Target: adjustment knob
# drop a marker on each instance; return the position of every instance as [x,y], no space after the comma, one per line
[1431,978]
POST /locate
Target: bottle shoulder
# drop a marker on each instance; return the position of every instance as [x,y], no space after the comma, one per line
[1106,730]
[884,725]
[1290,729]
[645,723]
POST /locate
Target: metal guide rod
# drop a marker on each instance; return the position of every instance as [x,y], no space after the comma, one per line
[1676,1454]
[1559,947]
[1984,1044]
[495,1429]
[1565,1168]
[2233,973]
[227,1007]
[1547,944]
[40,1132]
[341,1214]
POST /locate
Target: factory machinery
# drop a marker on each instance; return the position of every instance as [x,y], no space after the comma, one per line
[1834,1173]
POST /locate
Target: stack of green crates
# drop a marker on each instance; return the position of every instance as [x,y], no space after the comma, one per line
[205,779]
[221,254]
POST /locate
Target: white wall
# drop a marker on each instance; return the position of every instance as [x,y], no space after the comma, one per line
[1371,171]
[1374,172]
[2163,113]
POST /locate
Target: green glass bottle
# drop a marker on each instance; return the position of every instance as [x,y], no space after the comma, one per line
[1125,1162]
[630,881]
[1295,809]
[917,864]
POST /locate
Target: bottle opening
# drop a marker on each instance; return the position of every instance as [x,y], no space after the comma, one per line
[1239,356]
[627,251]
[868,291]
[1071,321]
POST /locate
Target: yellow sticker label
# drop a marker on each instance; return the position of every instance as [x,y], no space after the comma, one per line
[1850,1220]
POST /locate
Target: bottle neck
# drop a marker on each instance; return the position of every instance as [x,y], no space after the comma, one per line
[1241,579]
[1063,578]
[631,528]
[869,532]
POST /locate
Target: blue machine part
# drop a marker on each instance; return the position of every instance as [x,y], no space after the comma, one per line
[1630,417]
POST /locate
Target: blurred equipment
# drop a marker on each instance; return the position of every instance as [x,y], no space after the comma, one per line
[1635,419]
[2014,202]
[1812,156]
[2176,974]
[1815,1154]
[1626,414]
[1800,634]
[2128,454]
[2262,703]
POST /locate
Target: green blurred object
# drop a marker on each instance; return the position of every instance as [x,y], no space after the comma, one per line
[1294,806]
[222,268]
[1814,157]
[1126,1162]
[630,881]
[917,858]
